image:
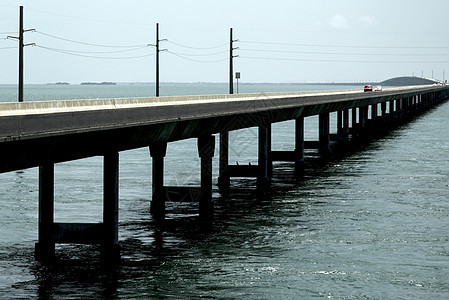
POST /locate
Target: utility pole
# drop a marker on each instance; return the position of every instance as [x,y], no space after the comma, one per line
[158,40]
[157,59]
[231,62]
[21,46]
[21,54]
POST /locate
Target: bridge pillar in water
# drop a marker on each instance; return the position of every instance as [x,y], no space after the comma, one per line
[270,152]
[299,145]
[105,234]
[343,124]
[391,108]
[264,152]
[339,122]
[354,124]
[109,243]
[45,247]
[223,176]
[323,133]
[345,132]
[263,170]
[297,155]
[400,107]
[406,104]
[383,109]
[363,116]
[374,111]
[158,153]
[206,149]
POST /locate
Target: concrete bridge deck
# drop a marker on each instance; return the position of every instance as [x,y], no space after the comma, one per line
[65,130]
[50,118]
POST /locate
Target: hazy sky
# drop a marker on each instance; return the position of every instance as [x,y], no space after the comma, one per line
[279,41]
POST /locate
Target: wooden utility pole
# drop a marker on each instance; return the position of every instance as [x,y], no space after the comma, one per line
[21,46]
[21,54]
[157,59]
[231,64]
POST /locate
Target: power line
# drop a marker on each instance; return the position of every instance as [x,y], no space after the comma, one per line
[95,52]
[11,6]
[342,61]
[341,53]
[90,56]
[283,30]
[195,60]
[204,54]
[342,46]
[88,44]
[197,48]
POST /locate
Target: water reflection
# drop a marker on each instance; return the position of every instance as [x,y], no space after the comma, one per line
[152,250]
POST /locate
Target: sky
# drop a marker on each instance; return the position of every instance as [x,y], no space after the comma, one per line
[293,41]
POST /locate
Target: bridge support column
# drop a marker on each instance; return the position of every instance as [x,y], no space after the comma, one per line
[223,177]
[383,109]
[324,138]
[354,122]
[45,247]
[263,160]
[374,112]
[299,145]
[345,131]
[339,122]
[406,105]
[159,198]
[206,149]
[400,107]
[391,109]
[270,156]
[363,116]
[109,244]
[297,155]
[105,234]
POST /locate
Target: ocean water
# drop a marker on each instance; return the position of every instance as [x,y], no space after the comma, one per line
[371,225]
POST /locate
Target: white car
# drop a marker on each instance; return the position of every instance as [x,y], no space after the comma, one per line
[378,88]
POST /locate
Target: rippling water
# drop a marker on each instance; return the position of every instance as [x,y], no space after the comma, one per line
[372,225]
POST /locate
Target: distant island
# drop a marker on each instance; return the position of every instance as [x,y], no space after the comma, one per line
[59,83]
[98,83]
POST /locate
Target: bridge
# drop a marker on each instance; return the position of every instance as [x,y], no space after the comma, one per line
[41,134]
